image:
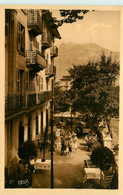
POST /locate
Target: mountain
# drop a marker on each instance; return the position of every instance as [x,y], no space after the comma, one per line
[70,53]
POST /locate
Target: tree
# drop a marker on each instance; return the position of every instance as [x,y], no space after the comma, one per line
[103,158]
[43,141]
[62,99]
[27,151]
[93,90]
[69,16]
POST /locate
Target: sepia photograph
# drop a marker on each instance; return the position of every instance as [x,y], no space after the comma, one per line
[62,82]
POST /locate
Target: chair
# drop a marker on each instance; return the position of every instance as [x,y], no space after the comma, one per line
[106,181]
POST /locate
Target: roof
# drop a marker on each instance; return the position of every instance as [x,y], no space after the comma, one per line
[47,15]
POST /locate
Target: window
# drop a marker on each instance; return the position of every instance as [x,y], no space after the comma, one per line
[41,83]
[21,38]
[37,45]
[33,84]
[31,46]
[18,80]
[27,81]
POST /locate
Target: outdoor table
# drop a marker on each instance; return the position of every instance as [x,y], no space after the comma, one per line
[92,173]
[46,165]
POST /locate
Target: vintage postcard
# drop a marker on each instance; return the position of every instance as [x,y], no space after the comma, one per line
[61,99]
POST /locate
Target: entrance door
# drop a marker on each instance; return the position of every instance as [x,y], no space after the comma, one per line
[42,122]
[21,134]
[29,133]
[36,125]
[47,118]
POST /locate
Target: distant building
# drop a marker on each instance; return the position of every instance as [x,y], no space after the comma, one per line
[65,82]
[29,76]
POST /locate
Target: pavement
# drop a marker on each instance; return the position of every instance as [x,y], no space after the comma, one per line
[68,170]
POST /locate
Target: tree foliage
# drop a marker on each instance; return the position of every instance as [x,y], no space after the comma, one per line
[27,151]
[102,157]
[62,99]
[93,90]
[69,16]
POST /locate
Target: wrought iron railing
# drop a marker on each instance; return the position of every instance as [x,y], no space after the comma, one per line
[34,57]
[17,103]
[14,103]
[46,39]
[34,19]
[50,70]
[54,51]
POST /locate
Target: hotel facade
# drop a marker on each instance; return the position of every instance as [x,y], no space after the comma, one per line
[29,76]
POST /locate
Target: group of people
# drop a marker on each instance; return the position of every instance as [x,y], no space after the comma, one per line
[68,144]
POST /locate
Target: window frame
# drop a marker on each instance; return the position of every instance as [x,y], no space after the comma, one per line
[21,38]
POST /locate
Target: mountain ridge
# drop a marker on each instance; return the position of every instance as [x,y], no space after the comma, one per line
[71,53]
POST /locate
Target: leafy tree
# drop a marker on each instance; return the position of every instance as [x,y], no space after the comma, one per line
[93,90]
[43,141]
[62,99]
[102,157]
[27,151]
[69,16]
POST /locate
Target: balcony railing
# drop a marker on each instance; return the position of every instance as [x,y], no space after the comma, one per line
[46,40]
[38,98]
[15,104]
[50,70]
[34,22]
[35,60]
[54,51]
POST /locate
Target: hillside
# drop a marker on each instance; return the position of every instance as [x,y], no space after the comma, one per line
[70,53]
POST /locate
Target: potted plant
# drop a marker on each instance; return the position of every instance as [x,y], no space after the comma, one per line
[27,151]
[103,158]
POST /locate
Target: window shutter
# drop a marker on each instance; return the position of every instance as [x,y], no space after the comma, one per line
[27,80]
[42,83]
[18,80]
[18,36]
[39,84]
[23,40]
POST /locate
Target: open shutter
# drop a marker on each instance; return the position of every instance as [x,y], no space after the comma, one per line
[23,40]
[27,81]
[18,80]
[18,36]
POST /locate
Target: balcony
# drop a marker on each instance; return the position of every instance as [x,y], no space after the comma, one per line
[37,99]
[43,97]
[50,70]
[46,40]
[16,104]
[34,22]
[54,51]
[35,60]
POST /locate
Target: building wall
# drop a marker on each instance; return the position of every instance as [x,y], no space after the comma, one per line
[17,125]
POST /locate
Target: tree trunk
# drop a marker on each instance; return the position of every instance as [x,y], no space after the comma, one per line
[108,121]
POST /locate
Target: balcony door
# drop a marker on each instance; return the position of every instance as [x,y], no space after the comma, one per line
[21,81]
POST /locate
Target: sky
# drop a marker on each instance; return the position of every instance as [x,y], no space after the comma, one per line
[98,27]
